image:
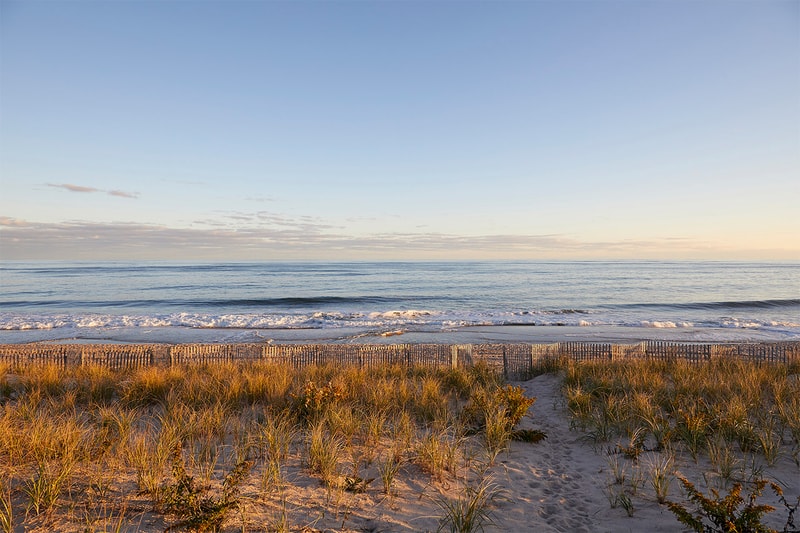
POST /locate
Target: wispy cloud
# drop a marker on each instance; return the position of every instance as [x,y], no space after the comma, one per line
[260,199]
[123,194]
[300,239]
[71,187]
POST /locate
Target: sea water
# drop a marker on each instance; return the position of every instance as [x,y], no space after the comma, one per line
[245,302]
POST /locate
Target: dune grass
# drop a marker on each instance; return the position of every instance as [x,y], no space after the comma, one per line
[736,416]
[219,446]
[209,447]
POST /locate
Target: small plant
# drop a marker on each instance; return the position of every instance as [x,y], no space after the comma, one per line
[324,451]
[636,480]
[388,469]
[516,404]
[148,462]
[314,400]
[470,511]
[660,428]
[197,512]
[728,514]
[45,486]
[496,434]
[495,413]
[769,443]
[602,422]
[635,444]
[272,477]
[723,459]
[661,476]
[276,436]
[579,403]
[626,503]
[280,523]
[531,436]
[438,452]
[612,493]
[619,471]
[691,429]
[509,402]
[204,458]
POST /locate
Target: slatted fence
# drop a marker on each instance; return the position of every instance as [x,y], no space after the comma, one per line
[515,361]
[214,353]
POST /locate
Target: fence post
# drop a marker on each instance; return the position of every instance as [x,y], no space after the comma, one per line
[454,356]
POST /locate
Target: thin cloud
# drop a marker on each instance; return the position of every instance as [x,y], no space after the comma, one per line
[71,187]
[123,194]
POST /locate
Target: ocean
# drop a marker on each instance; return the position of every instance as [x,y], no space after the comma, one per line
[403,301]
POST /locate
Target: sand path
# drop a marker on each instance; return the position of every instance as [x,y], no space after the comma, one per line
[557,484]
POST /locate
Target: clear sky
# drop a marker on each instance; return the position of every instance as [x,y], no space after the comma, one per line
[400,130]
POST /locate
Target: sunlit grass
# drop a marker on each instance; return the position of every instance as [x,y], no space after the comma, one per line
[80,447]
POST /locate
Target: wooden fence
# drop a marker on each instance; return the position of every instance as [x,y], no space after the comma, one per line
[515,361]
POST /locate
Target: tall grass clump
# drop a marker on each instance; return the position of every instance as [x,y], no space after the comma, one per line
[324,451]
[46,484]
[494,413]
[470,510]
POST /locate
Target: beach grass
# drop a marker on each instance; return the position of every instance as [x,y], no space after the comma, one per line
[86,446]
[259,446]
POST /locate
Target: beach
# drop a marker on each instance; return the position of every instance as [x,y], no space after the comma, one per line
[156,322]
[569,481]
[527,334]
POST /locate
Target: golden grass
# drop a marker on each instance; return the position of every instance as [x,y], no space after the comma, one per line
[739,416]
[88,447]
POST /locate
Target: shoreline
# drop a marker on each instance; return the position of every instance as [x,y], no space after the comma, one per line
[495,334]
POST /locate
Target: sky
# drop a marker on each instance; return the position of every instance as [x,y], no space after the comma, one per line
[430,130]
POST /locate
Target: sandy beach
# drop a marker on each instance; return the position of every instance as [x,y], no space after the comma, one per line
[464,335]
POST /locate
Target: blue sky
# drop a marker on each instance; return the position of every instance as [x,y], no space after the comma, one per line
[400,130]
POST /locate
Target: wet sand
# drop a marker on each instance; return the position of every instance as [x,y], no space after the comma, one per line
[465,335]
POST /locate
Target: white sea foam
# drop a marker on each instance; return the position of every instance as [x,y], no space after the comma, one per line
[410,314]
[392,319]
[665,324]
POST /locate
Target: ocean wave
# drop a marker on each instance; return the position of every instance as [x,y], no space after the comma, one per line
[706,306]
[420,319]
[237,303]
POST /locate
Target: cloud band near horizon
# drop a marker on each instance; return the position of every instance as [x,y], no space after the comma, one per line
[82,240]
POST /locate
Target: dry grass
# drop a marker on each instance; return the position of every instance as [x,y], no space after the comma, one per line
[89,448]
[738,416]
